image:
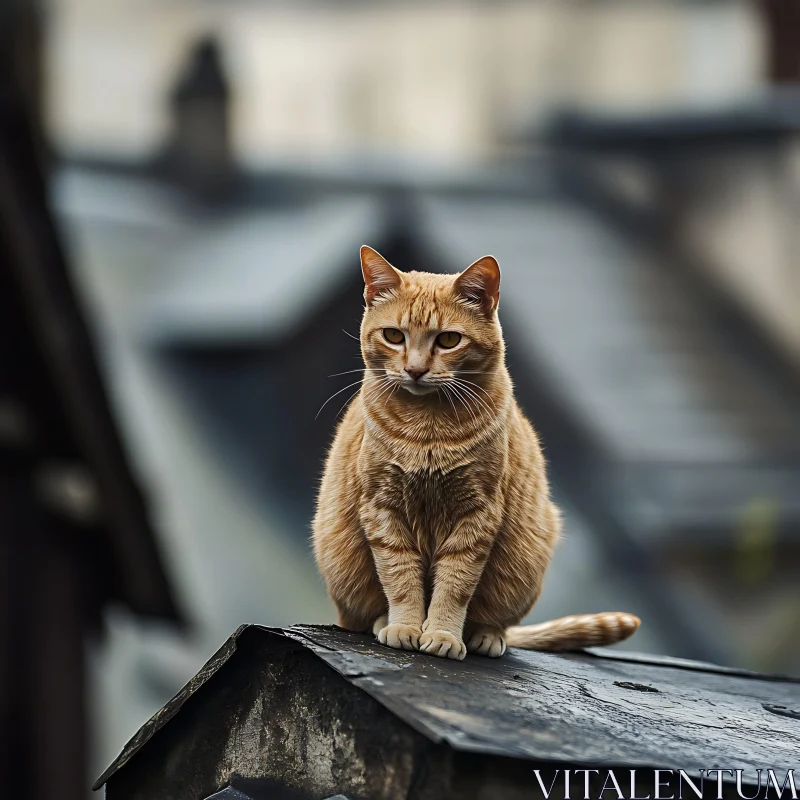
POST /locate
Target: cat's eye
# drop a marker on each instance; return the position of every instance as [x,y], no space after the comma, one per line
[448,339]
[393,336]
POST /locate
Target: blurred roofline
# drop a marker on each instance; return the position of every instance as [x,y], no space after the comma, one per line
[770,116]
[513,176]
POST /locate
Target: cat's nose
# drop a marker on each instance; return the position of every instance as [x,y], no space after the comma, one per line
[416,374]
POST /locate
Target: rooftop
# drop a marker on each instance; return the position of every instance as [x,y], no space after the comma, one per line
[264,688]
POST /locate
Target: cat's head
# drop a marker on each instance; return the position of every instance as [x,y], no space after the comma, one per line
[425,331]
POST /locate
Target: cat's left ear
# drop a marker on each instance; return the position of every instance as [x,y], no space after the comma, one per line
[480,283]
[380,276]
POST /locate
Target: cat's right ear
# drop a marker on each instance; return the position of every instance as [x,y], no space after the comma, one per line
[380,276]
[479,284]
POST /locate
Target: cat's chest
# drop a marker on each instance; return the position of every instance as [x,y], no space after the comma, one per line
[435,493]
[430,500]
[431,488]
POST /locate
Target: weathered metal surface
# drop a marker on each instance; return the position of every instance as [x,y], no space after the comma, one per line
[688,664]
[162,717]
[577,707]
[273,710]
[267,709]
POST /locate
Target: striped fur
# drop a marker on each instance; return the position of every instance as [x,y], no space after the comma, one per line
[434,524]
[575,632]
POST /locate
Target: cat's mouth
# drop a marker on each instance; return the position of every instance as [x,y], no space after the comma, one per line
[417,387]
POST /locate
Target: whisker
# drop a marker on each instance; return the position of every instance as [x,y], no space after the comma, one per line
[346,403]
[391,394]
[447,395]
[480,405]
[464,400]
[360,369]
[385,384]
[363,380]
[347,333]
[472,408]
[480,388]
[479,402]
[476,385]
[379,382]
[470,387]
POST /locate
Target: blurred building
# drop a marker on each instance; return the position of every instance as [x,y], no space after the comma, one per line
[75,535]
[628,166]
[446,82]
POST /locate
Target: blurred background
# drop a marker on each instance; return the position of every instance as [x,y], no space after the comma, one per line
[185,185]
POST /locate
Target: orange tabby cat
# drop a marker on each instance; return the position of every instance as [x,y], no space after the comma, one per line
[434,523]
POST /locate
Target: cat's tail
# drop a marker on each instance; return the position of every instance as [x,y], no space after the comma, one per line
[574,633]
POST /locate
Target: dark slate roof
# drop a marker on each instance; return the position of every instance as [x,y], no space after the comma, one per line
[761,120]
[255,278]
[601,707]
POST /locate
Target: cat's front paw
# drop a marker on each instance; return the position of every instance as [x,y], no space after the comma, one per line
[400,636]
[443,644]
[486,640]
